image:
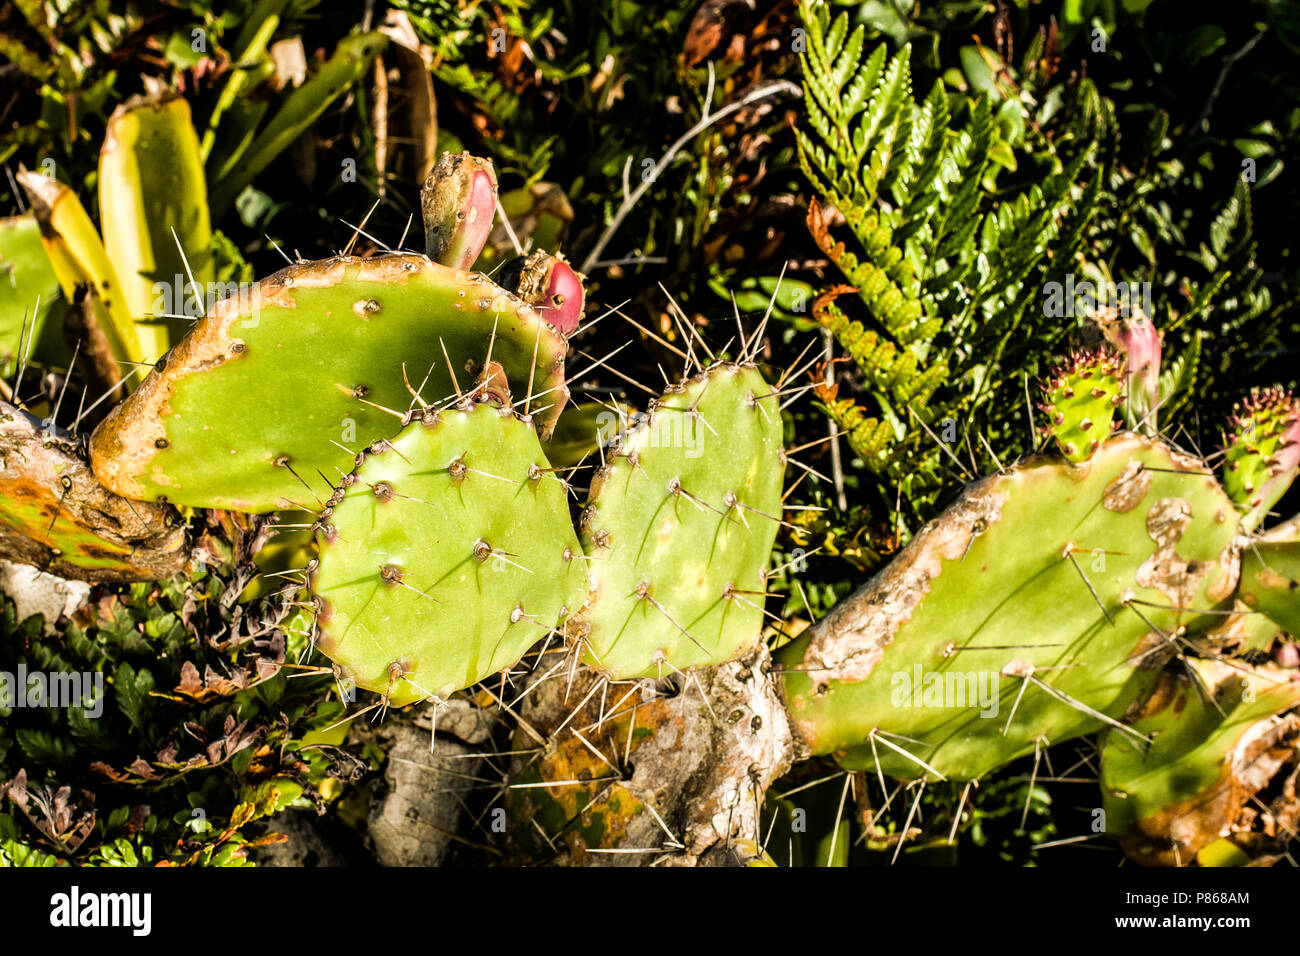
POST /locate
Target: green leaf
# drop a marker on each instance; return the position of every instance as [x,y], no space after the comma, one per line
[131,690]
[351,60]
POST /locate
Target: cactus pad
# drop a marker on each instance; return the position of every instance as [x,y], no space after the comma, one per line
[1217,742]
[31,304]
[281,384]
[1270,581]
[1081,398]
[1050,579]
[680,524]
[56,516]
[446,554]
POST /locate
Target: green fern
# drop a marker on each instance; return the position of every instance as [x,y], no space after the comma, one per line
[948,268]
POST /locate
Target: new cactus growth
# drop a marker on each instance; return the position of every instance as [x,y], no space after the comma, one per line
[549,284]
[1217,741]
[1080,401]
[459,202]
[57,517]
[680,523]
[444,555]
[271,394]
[1038,607]
[1263,452]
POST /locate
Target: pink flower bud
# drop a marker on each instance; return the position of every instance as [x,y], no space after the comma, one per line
[1136,338]
[459,202]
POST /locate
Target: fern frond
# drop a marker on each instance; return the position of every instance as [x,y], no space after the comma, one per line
[887,368]
[869,437]
[1178,380]
[948,272]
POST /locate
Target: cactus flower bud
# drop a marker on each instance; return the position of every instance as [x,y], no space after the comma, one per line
[1080,400]
[550,285]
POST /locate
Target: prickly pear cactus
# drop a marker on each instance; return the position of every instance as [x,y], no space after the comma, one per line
[1038,607]
[269,396]
[1081,398]
[679,526]
[1216,742]
[1262,455]
[445,555]
[56,516]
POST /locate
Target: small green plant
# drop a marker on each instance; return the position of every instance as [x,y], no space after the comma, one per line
[188,728]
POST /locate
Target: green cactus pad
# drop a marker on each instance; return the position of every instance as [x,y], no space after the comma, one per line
[56,516]
[1270,581]
[446,554]
[246,410]
[1081,399]
[1263,452]
[991,599]
[1207,760]
[679,526]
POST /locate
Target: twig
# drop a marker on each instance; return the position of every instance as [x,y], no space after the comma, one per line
[753,96]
